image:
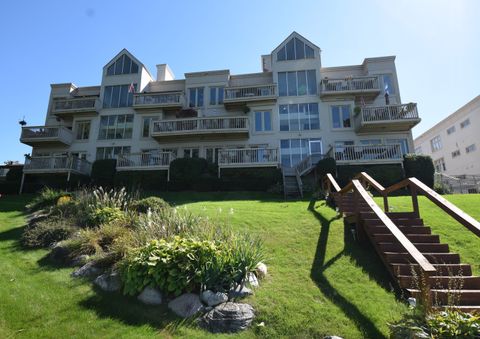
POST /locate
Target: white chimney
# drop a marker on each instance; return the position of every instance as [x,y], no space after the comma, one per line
[164,73]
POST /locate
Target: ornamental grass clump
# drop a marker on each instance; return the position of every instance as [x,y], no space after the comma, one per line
[48,197]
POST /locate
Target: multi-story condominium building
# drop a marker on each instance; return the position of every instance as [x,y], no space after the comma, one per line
[454,142]
[291,113]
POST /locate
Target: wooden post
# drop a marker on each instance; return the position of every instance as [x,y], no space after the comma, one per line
[413,192]
[386,208]
[21,183]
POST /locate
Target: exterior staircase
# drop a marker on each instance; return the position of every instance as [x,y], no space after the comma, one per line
[292,176]
[416,259]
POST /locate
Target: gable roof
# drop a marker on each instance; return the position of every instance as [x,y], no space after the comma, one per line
[127,52]
[294,34]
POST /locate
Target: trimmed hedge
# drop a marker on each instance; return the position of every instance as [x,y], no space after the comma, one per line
[420,167]
[386,175]
[103,172]
[250,179]
[145,180]
[327,165]
[14,174]
[191,174]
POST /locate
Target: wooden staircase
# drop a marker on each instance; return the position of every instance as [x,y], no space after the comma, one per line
[292,176]
[416,259]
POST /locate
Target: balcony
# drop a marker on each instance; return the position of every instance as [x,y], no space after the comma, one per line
[57,164]
[368,154]
[201,128]
[67,107]
[248,157]
[366,86]
[393,118]
[144,161]
[238,96]
[158,100]
[46,136]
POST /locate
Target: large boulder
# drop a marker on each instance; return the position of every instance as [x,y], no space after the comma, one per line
[228,317]
[252,280]
[213,298]
[241,291]
[60,253]
[150,296]
[261,270]
[89,270]
[186,305]
[109,282]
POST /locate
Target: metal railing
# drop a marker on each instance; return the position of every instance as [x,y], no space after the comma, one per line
[349,85]
[74,104]
[368,153]
[3,172]
[248,156]
[144,160]
[389,113]
[249,92]
[56,163]
[200,124]
[47,133]
[158,99]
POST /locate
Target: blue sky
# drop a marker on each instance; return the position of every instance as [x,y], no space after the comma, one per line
[42,42]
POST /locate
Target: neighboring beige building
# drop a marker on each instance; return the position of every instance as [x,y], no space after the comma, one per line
[454,143]
[290,114]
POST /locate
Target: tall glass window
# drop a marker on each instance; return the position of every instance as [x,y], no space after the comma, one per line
[111,152]
[263,121]
[123,65]
[116,127]
[403,144]
[341,116]
[388,84]
[147,121]
[195,97]
[299,117]
[295,49]
[297,83]
[295,150]
[118,96]
[82,130]
[216,95]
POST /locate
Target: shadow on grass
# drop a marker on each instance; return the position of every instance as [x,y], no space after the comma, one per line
[364,258]
[15,203]
[132,312]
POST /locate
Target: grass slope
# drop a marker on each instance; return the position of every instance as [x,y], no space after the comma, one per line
[320,282]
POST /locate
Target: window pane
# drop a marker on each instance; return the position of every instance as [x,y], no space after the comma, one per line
[309,54]
[118,66]
[134,67]
[107,96]
[346,116]
[312,82]
[127,62]
[100,151]
[267,121]
[111,69]
[314,116]
[193,96]
[220,95]
[336,116]
[281,54]
[293,114]
[290,50]
[200,97]
[213,95]
[282,84]
[304,116]
[146,127]
[388,84]
[123,95]
[302,82]
[292,83]
[299,49]
[115,96]
[284,144]
[258,121]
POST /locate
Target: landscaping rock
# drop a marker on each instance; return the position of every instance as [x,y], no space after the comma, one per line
[109,282]
[60,253]
[261,270]
[252,280]
[213,299]
[37,217]
[240,292]
[228,317]
[332,337]
[150,296]
[186,305]
[89,270]
[80,260]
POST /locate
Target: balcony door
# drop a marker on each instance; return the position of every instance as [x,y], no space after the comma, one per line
[315,147]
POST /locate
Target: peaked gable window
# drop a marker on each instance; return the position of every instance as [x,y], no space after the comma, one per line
[123,65]
[295,49]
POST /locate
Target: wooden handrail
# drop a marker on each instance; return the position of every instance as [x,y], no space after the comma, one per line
[363,175]
[402,239]
[332,182]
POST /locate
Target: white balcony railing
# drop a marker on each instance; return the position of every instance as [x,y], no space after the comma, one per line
[159,99]
[389,113]
[144,160]
[75,104]
[34,134]
[361,84]
[248,93]
[369,153]
[57,164]
[200,125]
[248,157]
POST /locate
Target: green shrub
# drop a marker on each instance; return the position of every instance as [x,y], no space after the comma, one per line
[9,187]
[386,175]
[104,215]
[454,324]
[48,197]
[441,188]
[327,165]
[420,167]
[250,179]
[103,172]
[152,203]
[185,172]
[46,232]
[142,180]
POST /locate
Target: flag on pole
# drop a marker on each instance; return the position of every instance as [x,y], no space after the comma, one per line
[362,101]
[131,88]
[386,89]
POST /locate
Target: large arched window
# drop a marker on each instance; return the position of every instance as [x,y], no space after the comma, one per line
[123,65]
[295,49]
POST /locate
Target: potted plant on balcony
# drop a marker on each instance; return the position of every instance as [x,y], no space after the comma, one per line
[357,110]
[246,109]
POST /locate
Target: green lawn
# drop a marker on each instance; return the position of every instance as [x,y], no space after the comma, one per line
[320,282]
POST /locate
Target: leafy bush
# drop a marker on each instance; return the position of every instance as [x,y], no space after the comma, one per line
[9,187]
[47,197]
[185,172]
[152,203]
[104,215]
[441,188]
[103,172]
[250,179]
[420,167]
[144,180]
[327,165]
[46,232]
[14,174]
[386,175]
